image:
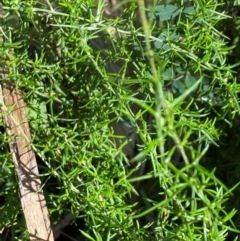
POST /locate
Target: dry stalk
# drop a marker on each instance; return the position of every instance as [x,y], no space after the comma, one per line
[17,128]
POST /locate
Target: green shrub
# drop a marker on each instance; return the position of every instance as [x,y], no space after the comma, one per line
[170,80]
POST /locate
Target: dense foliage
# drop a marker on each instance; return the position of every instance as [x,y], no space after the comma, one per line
[168,74]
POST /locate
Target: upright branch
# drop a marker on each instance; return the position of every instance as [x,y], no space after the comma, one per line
[17,128]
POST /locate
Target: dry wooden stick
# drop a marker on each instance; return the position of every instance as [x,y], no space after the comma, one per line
[17,128]
[31,195]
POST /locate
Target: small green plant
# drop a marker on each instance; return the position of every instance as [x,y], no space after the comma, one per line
[180,96]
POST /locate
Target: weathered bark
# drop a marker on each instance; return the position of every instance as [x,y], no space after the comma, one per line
[31,195]
[17,129]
